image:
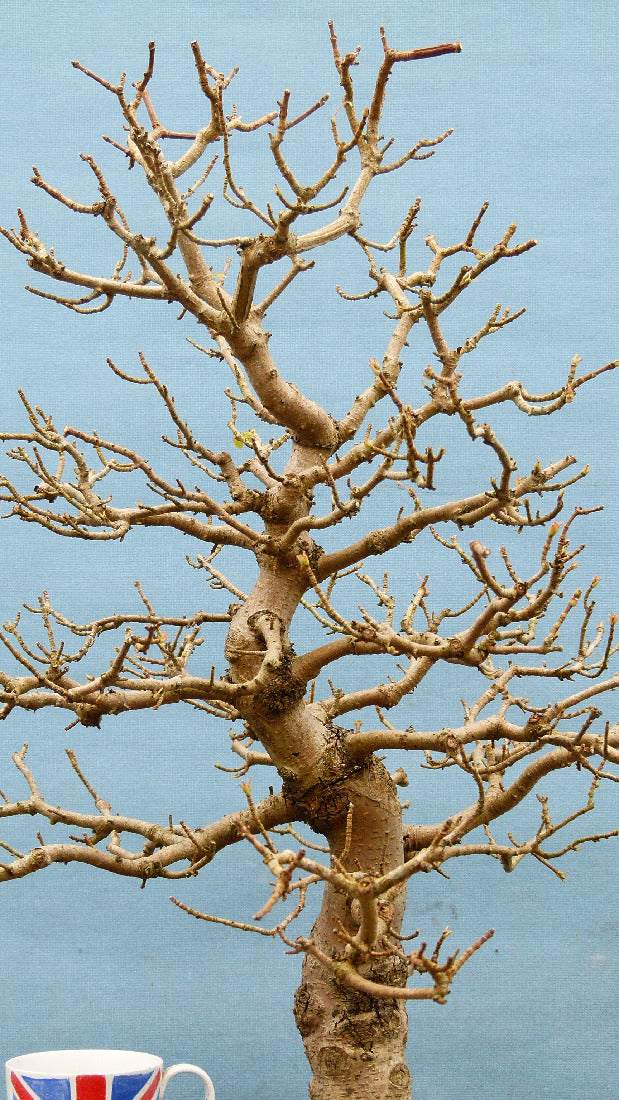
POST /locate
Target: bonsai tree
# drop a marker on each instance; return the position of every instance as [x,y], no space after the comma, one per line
[310,650]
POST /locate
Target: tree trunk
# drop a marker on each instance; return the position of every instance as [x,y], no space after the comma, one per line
[355,1044]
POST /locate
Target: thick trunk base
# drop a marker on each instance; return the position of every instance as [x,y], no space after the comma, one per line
[355,1044]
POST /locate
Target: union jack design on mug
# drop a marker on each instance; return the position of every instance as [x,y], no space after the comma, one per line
[130,1086]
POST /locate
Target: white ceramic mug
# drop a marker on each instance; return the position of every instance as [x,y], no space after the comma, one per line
[94,1075]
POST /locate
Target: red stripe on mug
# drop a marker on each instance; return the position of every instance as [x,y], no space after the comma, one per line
[89,1087]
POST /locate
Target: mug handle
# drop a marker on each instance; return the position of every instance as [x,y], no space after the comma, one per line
[185,1067]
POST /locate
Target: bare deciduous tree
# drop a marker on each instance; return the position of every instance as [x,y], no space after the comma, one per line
[270,500]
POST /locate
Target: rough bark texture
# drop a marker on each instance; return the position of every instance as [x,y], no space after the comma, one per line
[355,1044]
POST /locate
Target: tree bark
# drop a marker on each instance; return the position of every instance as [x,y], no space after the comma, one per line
[355,1044]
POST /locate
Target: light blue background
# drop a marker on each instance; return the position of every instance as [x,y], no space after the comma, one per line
[89,960]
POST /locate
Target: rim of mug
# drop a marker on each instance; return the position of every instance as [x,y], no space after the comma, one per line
[83,1061]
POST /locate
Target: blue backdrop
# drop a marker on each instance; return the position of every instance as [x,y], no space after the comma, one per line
[90,960]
